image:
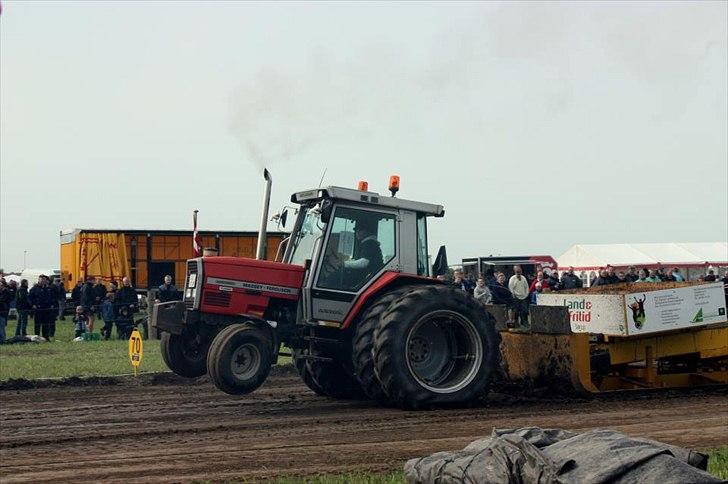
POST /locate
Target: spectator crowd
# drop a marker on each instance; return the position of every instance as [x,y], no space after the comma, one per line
[46,301]
[519,292]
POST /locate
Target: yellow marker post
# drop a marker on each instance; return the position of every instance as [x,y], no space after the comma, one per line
[136,350]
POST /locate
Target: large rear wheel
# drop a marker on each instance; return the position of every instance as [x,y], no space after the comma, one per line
[435,345]
[240,358]
[363,343]
[185,354]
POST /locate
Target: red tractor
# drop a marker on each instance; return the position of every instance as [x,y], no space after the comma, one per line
[354,300]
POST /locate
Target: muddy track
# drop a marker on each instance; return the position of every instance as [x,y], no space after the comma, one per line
[163,430]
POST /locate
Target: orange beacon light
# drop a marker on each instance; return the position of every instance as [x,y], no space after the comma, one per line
[394,184]
[363,186]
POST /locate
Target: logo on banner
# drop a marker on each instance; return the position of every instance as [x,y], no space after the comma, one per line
[638,311]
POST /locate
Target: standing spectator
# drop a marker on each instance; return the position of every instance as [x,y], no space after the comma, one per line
[13,288]
[80,322]
[43,298]
[622,278]
[553,280]
[22,304]
[603,278]
[711,276]
[660,272]
[88,298]
[569,280]
[540,279]
[676,276]
[126,304]
[99,295]
[461,282]
[642,276]
[499,291]
[167,291]
[537,289]
[653,277]
[60,298]
[76,293]
[5,298]
[631,275]
[108,314]
[113,286]
[481,291]
[518,285]
[611,275]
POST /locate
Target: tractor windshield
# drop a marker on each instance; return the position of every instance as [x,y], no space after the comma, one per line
[310,229]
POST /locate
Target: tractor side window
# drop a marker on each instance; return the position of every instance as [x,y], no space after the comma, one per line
[310,229]
[360,244]
[422,265]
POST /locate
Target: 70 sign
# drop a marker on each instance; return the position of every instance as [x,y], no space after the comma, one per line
[136,350]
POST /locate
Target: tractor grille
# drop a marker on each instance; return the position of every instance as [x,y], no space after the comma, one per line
[191,269]
[221,299]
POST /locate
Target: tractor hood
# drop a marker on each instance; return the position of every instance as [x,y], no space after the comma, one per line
[251,275]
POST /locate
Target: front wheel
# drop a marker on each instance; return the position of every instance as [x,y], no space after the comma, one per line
[184,354]
[239,359]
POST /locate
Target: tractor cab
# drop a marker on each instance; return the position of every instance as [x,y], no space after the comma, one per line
[347,239]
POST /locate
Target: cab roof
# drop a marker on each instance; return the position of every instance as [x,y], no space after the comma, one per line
[366,197]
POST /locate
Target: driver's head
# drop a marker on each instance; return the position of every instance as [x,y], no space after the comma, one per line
[365,228]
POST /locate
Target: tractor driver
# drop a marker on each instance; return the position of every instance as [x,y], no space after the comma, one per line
[367,258]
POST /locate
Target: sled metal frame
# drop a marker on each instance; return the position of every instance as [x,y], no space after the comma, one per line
[549,354]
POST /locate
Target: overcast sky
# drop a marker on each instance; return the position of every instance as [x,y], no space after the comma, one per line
[536,125]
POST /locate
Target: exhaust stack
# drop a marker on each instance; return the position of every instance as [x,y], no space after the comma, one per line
[263,232]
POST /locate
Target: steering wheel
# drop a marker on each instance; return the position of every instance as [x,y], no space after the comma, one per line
[333,264]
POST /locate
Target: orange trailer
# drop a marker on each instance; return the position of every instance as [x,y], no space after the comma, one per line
[146,256]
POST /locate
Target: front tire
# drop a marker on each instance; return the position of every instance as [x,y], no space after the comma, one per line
[435,345]
[240,358]
[184,354]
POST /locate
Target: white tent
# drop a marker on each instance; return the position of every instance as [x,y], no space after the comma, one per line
[695,256]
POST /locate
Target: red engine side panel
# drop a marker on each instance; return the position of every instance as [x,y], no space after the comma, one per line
[385,280]
[235,285]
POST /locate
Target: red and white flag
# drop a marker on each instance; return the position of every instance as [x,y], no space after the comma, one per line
[196,242]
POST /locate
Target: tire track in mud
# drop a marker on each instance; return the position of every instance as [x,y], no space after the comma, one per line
[180,432]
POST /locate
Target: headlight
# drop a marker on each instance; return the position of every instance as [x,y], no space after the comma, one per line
[192,282]
[188,293]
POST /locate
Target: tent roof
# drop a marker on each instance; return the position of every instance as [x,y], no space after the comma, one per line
[591,256]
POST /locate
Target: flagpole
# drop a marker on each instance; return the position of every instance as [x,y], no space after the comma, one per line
[196,249]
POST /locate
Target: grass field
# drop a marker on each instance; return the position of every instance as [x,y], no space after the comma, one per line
[718,462]
[64,357]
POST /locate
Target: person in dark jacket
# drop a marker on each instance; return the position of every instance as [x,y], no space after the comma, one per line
[6,296]
[43,300]
[553,280]
[167,291]
[22,304]
[88,299]
[126,305]
[76,293]
[569,280]
[367,258]
[500,292]
[631,275]
[108,314]
[60,298]
[99,295]
[612,275]
[603,279]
